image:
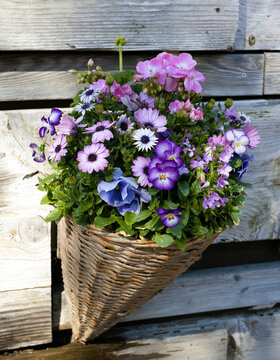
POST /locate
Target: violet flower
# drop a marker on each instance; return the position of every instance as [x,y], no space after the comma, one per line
[140,169]
[213,201]
[50,123]
[93,158]
[239,140]
[69,126]
[238,173]
[163,173]
[124,125]
[37,154]
[168,150]
[253,135]
[150,118]
[170,218]
[100,131]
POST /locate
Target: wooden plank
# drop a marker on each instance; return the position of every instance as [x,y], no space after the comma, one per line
[25,272]
[258,25]
[88,24]
[226,74]
[199,291]
[25,317]
[206,346]
[272,74]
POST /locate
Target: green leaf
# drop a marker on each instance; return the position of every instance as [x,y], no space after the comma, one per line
[198,230]
[152,223]
[128,217]
[143,215]
[163,240]
[45,200]
[181,243]
[185,217]
[235,218]
[153,191]
[184,187]
[195,186]
[59,195]
[177,230]
[102,222]
[168,204]
[123,77]
[47,178]
[54,215]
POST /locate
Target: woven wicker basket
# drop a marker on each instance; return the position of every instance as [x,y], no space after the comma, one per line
[107,276]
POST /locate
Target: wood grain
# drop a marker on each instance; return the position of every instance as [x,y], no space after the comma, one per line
[272,74]
[25,272]
[258,25]
[25,318]
[87,24]
[199,291]
[226,75]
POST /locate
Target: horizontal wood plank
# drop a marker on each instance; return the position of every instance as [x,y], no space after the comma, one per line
[87,24]
[200,291]
[226,74]
[258,25]
[25,318]
[272,74]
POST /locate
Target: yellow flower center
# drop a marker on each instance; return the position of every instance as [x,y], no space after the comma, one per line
[117,187]
[162,176]
[170,216]
[237,144]
[171,157]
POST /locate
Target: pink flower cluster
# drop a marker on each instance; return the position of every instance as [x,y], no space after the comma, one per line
[172,72]
[188,108]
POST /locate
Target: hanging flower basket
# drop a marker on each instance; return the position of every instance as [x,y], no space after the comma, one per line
[145,176]
[107,276]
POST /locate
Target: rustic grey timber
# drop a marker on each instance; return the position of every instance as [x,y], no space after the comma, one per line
[198,291]
[226,75]
[272,74]
[88,24]
[25,264]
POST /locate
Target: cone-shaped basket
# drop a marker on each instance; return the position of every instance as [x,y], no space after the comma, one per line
[107,276]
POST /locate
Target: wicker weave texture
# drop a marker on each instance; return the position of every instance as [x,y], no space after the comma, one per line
[107,276]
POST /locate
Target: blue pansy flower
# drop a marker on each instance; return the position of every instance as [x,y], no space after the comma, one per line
[239,172]
[123,193]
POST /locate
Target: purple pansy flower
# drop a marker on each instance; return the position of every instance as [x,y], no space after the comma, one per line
[163,173]
[100,131]
[93,158]
[141,170]
[122,193]
[150,118]
[50,123]
[69,126]
[170,218]
[57,148]
[37,154]
[168,150]
[238,173]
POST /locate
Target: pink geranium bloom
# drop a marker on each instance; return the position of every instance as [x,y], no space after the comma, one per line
[149,68]
[120,91]
[253,135]
[196,114]
[192,81]
[100,86]
[171,84]
[176,106]
[181,66]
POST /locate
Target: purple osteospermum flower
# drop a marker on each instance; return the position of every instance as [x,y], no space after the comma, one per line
[69,126]
[163,174]
[167,150]
[141,170]
[124,125]
[37,154]
[82,108]
[146,100]
[57,148]
[170,218]
[239,140]
[253,136]
[150,118]
[93,158]
[231,115]
[145,139]
[100,131]
[88,95]
[130,103]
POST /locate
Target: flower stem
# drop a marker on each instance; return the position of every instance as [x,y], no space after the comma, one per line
[120,57]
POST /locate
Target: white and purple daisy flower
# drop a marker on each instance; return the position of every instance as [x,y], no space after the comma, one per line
[50,123]
[82,108]
[93,158]
[37,154]
[57,148]
[145,139]
[140,169]
[150,118]
[238,139]
[88,95]
[100,131]
[169,218]
[124,125]
[69,126]
[163,173]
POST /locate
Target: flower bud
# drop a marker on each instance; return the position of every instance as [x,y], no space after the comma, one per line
[98,68]
[99,108]
[72,71]
[228,103]
[90,62]
[109,80]
[210,106]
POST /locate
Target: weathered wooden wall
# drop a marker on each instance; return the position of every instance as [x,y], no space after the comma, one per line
[236,44]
